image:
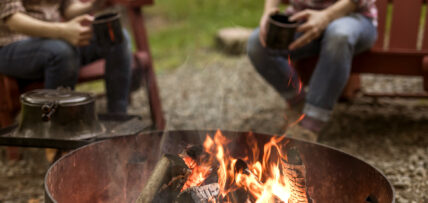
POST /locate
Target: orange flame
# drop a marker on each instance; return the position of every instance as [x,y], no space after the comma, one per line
[199,172]
[299,85]
[264,181]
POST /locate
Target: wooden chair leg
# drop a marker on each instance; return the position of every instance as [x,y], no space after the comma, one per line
[149,79]
[136,18]
[12,153]
[352,87]
[9,102]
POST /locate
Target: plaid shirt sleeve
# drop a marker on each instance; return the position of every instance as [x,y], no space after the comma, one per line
[9,7]
[363,3]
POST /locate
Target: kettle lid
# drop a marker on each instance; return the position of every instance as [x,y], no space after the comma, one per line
[59,96]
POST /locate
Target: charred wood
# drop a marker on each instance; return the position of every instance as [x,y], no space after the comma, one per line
[239,195]
[296,173]
[166,181]
[212,178]
[194,151]
[199,194]
[197,153]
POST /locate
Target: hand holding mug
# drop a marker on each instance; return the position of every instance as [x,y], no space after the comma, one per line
[314,24]
[77,31]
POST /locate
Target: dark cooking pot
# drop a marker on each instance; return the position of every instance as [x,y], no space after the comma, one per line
[60,113]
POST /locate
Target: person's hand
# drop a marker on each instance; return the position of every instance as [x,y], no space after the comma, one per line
[315,24]
[78,31]
[263,25]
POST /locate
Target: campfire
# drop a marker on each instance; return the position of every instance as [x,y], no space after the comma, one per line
[209,173]
[222,167]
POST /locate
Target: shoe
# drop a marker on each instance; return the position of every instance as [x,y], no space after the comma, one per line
[292,116]
[301,133]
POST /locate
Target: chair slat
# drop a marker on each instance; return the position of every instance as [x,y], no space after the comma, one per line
[405,24]
[382,6]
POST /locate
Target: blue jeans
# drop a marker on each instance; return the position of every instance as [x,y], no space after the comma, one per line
[58,63]
[342,38]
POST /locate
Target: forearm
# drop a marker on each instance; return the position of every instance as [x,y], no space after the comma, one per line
[340,8]
[78,8]
[271,5]
[27,25]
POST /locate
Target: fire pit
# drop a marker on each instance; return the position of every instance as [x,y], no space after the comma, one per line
[117,170]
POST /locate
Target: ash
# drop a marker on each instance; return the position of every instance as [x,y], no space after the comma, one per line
[227,93]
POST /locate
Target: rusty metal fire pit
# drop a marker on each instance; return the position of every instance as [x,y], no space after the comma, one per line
[117,169]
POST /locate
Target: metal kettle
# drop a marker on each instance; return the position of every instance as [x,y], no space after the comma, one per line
[60,113]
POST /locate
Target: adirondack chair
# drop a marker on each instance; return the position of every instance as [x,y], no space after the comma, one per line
[10,89]
[397,54]
[142,64]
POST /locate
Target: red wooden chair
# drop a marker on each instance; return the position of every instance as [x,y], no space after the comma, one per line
[142,64]
[401,57]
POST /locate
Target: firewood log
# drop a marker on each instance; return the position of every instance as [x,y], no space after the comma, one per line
[296,173]
[166,181]
[199,194]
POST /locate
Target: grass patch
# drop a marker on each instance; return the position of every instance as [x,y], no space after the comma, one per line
[178,29]
[96,87]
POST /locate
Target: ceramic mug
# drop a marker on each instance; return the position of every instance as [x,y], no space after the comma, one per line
[280,32]
[108,29]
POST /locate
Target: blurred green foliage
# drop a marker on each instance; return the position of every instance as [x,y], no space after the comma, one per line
[179,29]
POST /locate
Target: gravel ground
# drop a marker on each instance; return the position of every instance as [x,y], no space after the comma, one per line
[226,93]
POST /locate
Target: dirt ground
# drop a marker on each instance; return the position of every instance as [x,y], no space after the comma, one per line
[226,93]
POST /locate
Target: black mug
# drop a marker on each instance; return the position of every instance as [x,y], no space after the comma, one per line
[107,29]
[280,32]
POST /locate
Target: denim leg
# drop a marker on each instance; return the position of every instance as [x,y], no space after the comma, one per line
[273,65]
[118,76]
[117,71]
[342,39]
[55,61]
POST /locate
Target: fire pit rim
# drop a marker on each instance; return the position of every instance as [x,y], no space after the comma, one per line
[210,132]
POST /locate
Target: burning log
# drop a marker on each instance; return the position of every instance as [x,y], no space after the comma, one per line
[237,196]
[195,152]
[201,168]
[296,173]
[199,194]
[166,181]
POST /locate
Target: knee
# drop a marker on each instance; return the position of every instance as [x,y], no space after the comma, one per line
[254,47]
[337,40]
[63,58]
[61,52]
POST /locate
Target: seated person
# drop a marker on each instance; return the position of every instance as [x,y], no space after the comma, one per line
[334,29]
[35,44]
